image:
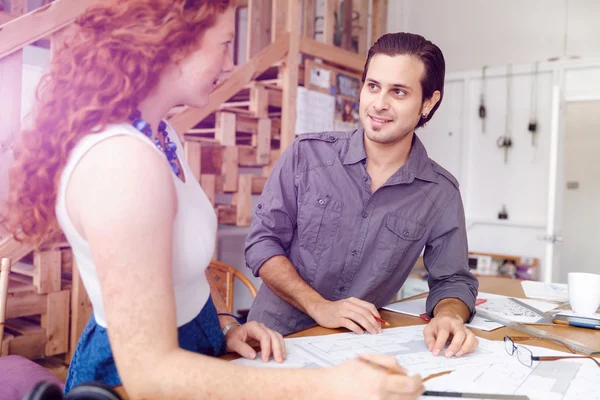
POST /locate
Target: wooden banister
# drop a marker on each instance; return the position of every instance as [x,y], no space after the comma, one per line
[240,77]
[5,17]
[37,24]
[333,55]
[13,249]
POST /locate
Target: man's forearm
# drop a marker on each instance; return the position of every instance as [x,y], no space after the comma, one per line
[281,277]
[452,306]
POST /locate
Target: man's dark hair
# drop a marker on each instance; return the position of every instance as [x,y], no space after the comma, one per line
[402,43]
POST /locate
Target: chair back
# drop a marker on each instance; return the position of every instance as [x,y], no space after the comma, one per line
[221,277]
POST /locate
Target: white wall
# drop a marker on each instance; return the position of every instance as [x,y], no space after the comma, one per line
[522,184]
[454,138]
[473,33]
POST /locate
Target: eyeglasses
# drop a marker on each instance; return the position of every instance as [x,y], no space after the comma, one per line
[526,357]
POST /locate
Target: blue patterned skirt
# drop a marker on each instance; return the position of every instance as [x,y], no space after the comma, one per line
[93,359]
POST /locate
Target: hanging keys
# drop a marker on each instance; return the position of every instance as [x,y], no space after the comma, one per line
[532,128]
[482,110]
[533,109]
[506,143]
[482,113]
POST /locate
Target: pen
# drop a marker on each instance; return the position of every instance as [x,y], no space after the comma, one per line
[381,321]
[577,324]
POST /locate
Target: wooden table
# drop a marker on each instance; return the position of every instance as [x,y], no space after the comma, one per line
[496,285]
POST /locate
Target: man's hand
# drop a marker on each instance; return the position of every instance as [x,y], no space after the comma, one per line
[352,313]
[448,323]
[270,341]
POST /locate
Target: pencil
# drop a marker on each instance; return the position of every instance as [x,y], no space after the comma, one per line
[382,321]
[383,367]
[401,370]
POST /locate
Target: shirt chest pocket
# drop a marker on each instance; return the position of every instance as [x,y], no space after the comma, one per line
[318,222]
[395,237]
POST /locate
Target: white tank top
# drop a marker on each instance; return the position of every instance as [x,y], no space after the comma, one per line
[194,231]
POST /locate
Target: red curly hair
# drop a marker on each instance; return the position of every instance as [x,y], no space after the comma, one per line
[110,62]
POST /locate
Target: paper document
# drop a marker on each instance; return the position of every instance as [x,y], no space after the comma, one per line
[507,308]
[547,291]
[417,307]
[574,314]
[314,111]
[490,369]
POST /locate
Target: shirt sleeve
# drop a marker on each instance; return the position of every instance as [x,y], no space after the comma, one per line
[274,220]
[446,258]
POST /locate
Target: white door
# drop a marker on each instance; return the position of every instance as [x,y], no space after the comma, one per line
[580,249]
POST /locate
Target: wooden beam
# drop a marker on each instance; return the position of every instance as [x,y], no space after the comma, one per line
[212,159]
[11,73]
[259,26]
[333,55]
[225,128]
[247,156]
[230,169]
[242,75]
[279,18]
[46,265]
[258,184]
[5,17]
[310,15]
[290,77]
[362,7]
[27,346]
[378,20]
[347,25]
[263,141]
[81,310]
[57,40]
[18,7]
[57,323]
[26,305]
[226,214]
[243,200]
[11,248]
[208,183]
[192,155]
[266,171]
[259,101]
[38,24]
[329,22]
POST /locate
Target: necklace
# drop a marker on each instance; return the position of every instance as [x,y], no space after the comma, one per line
[169,148]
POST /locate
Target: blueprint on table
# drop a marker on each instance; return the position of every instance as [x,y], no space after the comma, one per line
[488,370]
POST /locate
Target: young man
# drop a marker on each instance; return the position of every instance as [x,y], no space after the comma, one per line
[345,215]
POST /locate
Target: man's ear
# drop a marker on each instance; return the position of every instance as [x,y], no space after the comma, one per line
[429,103]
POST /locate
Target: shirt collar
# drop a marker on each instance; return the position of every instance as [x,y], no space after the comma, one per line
[417,166]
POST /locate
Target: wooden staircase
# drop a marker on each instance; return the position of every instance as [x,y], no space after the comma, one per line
[231,145]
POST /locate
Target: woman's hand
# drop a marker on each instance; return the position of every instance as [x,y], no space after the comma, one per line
[270,341]
[361,379]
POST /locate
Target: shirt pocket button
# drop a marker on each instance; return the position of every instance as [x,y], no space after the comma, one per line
[321,202]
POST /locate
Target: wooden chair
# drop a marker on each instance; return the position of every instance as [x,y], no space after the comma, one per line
[5,265]
[221,276]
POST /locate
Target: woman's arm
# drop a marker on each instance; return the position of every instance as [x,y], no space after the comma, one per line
[121,199]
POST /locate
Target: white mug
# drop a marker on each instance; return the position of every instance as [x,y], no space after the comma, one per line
[584,292]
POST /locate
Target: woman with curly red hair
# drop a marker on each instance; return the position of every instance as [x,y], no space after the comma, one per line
[100,166]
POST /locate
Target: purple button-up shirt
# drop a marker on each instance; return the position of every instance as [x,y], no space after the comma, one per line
[318,210]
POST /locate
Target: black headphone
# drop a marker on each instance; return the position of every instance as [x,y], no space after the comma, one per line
[85,391]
